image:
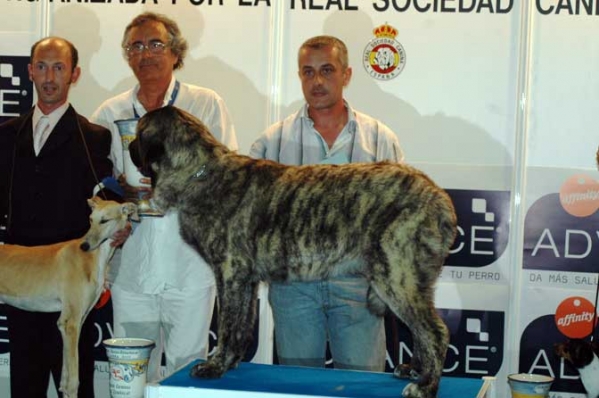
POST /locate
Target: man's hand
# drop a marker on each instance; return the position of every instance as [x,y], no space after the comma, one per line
[133,194]
[121,236]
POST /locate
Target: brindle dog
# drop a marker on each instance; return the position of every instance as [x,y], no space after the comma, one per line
[257,220]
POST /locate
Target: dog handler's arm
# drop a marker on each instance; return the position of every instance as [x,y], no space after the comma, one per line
[112,189]
[130,194]
[133,194]
[121,236]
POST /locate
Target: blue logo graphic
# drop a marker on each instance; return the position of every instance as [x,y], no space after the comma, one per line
[537,355]
[475,346]
[558,241]
[3,330]
[483,227]
[16,90]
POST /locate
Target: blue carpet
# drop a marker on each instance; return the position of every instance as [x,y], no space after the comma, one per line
[316,382]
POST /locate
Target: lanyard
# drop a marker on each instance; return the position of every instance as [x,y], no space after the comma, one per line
[170,102]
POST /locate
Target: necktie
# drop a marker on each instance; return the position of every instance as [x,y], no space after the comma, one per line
[41,133]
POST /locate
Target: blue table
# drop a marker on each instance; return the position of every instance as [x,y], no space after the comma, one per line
[273,381]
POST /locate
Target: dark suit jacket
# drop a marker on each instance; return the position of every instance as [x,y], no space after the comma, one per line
[47,199]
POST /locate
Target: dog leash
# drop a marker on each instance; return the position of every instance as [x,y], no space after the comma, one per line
[171,101]
[100,185]
[594,324]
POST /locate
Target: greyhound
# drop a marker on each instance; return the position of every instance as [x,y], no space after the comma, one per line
[66,277]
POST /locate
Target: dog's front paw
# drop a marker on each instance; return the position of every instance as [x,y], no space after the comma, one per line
[412,390]
[207,370]
[405,371]
[68,392]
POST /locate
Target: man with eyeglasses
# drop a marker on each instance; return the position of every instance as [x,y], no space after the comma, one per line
[162,290]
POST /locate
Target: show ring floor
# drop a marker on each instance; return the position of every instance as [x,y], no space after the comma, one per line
[251,380]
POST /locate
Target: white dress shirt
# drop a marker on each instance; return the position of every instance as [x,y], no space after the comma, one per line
[155,255]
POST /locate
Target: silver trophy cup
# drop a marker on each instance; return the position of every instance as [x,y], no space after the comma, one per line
[145,204]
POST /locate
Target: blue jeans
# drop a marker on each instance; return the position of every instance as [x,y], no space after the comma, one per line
[307,314]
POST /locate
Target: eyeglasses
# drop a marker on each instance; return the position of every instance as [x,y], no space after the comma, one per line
[154,47]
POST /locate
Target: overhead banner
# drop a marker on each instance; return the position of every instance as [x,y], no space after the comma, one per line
[496,100]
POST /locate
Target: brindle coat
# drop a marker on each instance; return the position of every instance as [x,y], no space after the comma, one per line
[257,220]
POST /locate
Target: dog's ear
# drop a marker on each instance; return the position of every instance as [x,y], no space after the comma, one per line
[93,202]
[130,209]
[134,153]
[148,148]
[189,140]
[558,348]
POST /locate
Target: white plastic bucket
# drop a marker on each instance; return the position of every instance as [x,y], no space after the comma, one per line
[528,385]
[128,359]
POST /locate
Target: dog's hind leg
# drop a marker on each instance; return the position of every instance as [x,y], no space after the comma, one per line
[408,290]
[430,337]
[237,297]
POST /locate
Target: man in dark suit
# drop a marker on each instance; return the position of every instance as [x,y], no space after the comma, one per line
[46,175]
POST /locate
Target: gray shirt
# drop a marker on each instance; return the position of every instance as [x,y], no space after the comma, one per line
[294,141]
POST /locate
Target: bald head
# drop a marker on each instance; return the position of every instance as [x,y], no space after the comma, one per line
[53,68]
[57,42]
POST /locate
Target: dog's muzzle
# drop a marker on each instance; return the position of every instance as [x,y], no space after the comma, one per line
[85,246]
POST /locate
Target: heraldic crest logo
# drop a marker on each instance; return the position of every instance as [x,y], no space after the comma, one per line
[384,57]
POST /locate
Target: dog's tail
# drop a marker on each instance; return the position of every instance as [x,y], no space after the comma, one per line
[447,220]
